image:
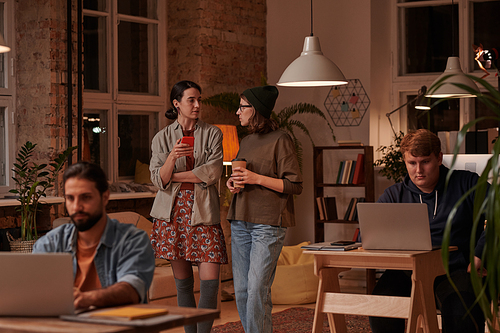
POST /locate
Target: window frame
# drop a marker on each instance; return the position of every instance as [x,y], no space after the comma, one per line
[403,85]
[115,102]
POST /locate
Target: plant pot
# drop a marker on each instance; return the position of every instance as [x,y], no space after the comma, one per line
[17,245]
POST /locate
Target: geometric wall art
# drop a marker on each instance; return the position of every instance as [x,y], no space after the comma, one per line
[347,104]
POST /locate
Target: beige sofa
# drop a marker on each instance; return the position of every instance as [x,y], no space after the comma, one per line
[162,290]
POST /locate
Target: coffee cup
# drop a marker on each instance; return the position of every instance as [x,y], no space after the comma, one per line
[239,162]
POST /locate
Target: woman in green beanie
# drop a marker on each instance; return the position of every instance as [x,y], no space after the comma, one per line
[260,212]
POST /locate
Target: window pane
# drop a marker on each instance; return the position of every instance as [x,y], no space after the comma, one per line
[486,27]
[443,117]
[143,8]
[135,141]
[427,38]
[95,137]
[94,54]
[99,5]
[481,110]
[3,148]
[137,58]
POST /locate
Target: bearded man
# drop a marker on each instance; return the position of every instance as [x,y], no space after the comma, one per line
[113,263]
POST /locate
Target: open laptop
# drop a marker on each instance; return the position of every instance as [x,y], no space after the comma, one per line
[394,226]
[36,284]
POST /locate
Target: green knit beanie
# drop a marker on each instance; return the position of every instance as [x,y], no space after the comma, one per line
[262,99]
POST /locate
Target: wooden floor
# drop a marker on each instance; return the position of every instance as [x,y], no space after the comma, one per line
[353,282]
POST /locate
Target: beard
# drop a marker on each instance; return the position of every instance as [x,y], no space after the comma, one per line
[86,223]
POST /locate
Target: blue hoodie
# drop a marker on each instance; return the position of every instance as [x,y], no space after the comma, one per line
[439,205]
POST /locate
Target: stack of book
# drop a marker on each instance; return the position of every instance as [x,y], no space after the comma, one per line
[351,172]
[327,208]
[351,213]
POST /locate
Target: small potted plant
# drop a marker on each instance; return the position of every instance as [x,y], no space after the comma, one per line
[32,181]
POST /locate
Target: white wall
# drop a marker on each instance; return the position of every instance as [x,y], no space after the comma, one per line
[344,30]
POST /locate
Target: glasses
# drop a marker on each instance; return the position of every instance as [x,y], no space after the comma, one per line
[244,106]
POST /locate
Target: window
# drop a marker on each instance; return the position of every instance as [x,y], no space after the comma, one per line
[430,31]
[124,93]
[7,94]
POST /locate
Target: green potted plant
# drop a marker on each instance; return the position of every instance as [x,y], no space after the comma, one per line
[32,181]
[486,202]
[392,163]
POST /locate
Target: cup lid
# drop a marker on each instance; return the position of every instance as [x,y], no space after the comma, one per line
[239,159]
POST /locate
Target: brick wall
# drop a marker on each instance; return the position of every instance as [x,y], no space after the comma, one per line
[221,45]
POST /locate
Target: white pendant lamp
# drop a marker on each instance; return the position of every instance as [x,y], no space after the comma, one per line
[3,47]
[311,68]
[445,85]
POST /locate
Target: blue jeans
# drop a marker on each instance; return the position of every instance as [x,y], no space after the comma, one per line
[255,252]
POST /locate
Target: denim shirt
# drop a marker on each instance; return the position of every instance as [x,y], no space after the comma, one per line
[124,254]
[208,168]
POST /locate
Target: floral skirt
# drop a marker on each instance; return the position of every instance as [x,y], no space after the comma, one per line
[178,240]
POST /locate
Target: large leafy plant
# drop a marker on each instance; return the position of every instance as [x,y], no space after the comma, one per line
[487,204]
[32,181]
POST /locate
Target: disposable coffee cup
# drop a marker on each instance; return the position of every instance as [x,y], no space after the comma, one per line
[238,162]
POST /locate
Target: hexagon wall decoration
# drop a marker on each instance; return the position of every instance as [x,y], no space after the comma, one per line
[347,104]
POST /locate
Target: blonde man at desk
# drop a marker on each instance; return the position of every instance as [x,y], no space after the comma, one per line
[425,183]
[113,263]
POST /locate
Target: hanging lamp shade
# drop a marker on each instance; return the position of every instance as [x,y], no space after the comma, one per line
[312,68]
[230,143]
[3,47]
[444,86]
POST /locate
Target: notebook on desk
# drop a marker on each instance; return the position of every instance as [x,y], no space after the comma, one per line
[36,284]
[394,226]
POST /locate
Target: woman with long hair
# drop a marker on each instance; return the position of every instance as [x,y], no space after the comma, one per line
[186,229]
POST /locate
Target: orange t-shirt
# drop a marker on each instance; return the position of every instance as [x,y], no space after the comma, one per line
[86,274]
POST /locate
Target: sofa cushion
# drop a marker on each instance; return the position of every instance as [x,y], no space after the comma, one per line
[294,282]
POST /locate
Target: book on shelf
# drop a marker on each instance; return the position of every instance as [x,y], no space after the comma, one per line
[339,175]
[359,172]
[355,237]
[330,206]
[355,215]
[344,143]
[353,209]
[347,170]
[351,174]
[348,210]
[321,210]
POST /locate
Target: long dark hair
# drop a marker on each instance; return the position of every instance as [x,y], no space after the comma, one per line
[176,94]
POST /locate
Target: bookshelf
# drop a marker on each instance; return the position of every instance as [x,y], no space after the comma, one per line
[323,181]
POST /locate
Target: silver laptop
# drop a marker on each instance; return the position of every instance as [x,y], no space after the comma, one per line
[394,226]
[36,284]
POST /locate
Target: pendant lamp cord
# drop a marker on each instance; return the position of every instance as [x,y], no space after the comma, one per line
[311,17]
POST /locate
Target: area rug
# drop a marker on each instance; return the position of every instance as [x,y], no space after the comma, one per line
[298,320]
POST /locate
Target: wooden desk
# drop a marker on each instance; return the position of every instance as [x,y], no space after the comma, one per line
[51,324]
[420,308]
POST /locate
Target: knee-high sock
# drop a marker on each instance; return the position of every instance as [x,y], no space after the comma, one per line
[185,297]
[209,290]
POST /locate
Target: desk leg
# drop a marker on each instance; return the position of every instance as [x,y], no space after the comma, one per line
[328,282]
[423,305]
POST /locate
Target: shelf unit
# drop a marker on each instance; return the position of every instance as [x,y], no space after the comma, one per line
[320,184]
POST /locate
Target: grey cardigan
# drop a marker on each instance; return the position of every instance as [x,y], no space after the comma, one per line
[208,167]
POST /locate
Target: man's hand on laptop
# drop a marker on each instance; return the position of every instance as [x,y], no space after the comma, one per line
[477,263]
[120,293]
